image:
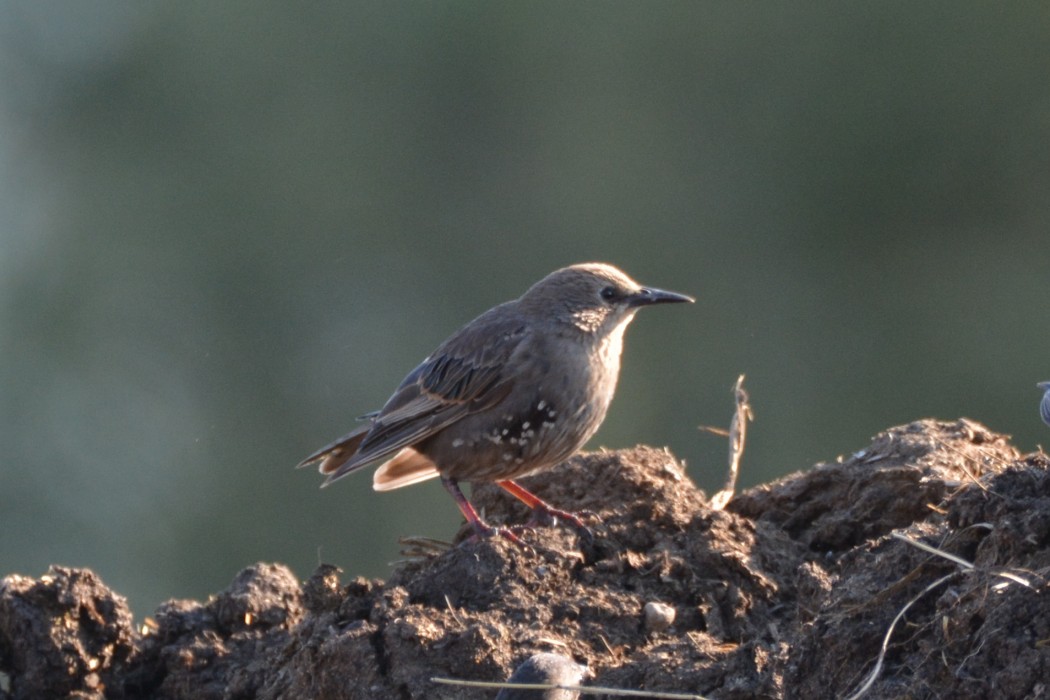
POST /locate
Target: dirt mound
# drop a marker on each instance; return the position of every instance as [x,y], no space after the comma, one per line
[789,592]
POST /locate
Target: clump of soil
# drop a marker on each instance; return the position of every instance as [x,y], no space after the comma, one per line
[787,593]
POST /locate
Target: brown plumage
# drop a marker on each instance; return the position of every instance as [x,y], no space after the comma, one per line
[515,391]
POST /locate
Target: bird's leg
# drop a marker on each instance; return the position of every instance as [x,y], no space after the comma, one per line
[542,508]
[481,528]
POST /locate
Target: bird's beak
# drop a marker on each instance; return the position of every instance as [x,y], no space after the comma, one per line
[647,296]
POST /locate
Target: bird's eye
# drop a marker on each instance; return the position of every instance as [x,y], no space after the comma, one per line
[609,293]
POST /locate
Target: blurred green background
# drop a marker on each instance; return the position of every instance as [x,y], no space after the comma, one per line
[227,229]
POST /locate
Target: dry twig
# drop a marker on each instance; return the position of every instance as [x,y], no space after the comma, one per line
[737,436]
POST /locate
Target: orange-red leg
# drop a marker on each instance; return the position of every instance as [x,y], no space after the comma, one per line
[539,506]
[481,528]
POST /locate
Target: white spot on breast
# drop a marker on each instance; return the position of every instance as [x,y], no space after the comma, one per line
[458,442]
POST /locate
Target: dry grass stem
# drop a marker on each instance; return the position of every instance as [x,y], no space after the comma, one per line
[583,690]
[737,437]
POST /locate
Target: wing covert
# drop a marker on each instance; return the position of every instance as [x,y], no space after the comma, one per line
[464,375]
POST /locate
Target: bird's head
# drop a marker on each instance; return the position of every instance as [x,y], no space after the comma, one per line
[595,298]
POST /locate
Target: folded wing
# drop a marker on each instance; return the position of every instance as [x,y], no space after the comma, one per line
[465,375]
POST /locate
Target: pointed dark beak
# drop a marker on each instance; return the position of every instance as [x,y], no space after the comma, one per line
[649,295]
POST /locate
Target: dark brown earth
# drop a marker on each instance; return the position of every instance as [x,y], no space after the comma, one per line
[788,593]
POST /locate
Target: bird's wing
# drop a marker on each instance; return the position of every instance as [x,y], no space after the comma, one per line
[466,374]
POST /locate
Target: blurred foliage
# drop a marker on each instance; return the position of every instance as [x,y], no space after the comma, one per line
[229,228]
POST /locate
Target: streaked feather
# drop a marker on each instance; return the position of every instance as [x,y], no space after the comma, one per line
[463,376]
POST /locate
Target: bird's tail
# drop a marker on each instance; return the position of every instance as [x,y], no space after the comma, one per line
[334,455]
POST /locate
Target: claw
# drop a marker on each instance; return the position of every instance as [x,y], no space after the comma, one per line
[544,514]
[485,531]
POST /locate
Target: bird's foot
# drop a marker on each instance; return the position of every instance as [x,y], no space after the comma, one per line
[483,530]
[543,514]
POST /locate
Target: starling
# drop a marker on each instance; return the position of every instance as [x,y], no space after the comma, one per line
[1044,405]
[545,669]
[514,392]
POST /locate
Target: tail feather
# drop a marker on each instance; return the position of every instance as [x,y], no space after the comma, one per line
[344,456]
[337,453]
[407,467]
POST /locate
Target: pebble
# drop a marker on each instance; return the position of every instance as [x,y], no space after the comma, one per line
[658,617]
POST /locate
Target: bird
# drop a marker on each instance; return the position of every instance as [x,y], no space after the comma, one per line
[1044,405]
[545,669]
[514,392]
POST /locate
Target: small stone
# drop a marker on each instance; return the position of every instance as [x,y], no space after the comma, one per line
[658,617]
